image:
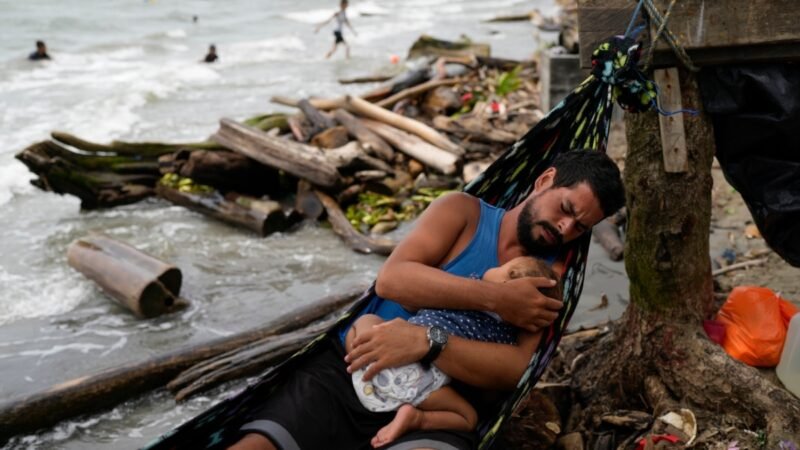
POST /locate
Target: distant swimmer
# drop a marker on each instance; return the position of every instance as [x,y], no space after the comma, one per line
[40,53]
[341,20]
[212,54]
[194,18]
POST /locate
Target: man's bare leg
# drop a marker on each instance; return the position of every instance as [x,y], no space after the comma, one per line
[444,409]
[253,441]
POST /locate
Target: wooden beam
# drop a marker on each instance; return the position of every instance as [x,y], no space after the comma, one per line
[712,32]
[673,135]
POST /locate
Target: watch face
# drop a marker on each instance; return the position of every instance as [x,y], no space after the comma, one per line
[438,335]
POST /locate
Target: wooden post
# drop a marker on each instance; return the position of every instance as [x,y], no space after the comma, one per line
[145,285]
[673,136]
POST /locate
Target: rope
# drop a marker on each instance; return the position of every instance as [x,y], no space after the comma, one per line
[664,32]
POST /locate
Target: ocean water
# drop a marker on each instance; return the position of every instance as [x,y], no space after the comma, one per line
[130,70]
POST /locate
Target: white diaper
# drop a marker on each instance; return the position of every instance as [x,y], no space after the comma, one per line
[393,387]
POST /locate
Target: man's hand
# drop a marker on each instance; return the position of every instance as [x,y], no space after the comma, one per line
[390,344]
[522,305]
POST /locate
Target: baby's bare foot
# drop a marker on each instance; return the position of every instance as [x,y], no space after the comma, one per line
[408,418]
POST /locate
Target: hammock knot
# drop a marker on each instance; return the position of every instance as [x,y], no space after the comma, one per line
[614,62]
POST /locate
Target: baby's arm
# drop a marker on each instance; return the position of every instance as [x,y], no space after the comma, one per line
[364,322]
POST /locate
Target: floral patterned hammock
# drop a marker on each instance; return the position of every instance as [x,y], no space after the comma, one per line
[580,121]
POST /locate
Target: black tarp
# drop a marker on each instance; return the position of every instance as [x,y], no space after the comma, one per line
[755,110]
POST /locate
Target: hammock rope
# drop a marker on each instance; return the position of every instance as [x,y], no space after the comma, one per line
[581,121]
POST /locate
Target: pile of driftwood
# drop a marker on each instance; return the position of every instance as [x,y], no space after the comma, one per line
[430,128]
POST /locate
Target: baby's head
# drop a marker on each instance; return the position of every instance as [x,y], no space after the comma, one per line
[525,266]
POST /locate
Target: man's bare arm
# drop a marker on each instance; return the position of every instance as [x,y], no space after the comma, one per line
[411,275]
[481,364]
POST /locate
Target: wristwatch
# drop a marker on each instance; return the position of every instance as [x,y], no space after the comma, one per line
[437,338]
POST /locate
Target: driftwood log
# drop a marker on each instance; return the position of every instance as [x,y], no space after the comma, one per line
[331,138]
[139,149]
[318,120]
[145,285]
[98,181]
[366,109]
[244,361]
[607,235]
[370,141]
[473,128]
[300,160]
[94,393]
[416,90]
[324,104]
[225,170]
[343,228]
[434,157]
[264,218]
[352,156]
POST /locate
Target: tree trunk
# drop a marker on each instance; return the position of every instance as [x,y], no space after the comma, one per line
[660,338]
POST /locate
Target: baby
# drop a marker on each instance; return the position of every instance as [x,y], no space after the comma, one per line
[418,393]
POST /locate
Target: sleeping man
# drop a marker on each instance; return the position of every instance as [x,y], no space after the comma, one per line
[441,265]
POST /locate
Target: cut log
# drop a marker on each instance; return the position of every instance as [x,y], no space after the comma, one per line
[441,100]
[473,128]
[436,158]
[366,109]
[229,171]
[300,128]
[317,119]
[370,141]
[352,156]
[352,237]
[108,388]
[324,104]
[145,285]
[151,149]
[416,90]
[607,234]
[241,362]
[307,202]
[330,138]
[263,222]
[300,160]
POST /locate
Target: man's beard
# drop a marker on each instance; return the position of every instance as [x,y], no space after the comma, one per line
[525,225]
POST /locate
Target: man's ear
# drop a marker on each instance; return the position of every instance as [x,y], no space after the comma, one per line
[545,180]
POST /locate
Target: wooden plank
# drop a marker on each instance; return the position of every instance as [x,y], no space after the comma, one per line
[699,25]
[673,135]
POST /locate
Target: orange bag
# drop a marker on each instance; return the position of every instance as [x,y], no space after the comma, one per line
[755,320]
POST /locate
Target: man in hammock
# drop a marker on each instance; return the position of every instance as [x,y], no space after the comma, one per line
[440,265]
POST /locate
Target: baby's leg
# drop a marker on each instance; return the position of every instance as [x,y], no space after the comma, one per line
[364,322]
[444,409]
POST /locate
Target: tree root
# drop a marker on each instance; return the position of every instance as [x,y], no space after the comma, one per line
[649,365]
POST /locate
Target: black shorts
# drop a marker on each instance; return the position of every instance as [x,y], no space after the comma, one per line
[318,408]
[338,36]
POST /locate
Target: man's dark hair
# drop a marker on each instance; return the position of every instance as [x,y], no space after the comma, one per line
[39,44]
[596,169]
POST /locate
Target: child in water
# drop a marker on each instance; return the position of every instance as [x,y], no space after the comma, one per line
[341,20]
[419,394]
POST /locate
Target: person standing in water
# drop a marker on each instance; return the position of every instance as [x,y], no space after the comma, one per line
[212,54]
[341,20]
[40,53]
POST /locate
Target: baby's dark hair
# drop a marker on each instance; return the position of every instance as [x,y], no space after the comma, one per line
[527,266]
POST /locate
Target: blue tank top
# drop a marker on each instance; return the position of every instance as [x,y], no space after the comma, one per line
[479,256]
